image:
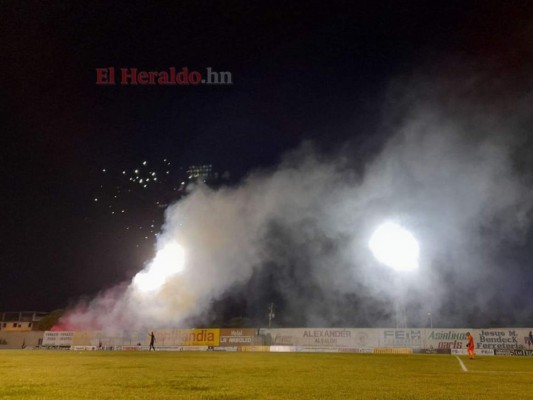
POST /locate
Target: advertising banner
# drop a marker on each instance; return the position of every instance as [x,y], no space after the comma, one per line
[239,337]
[433,351]
[316,349]
[200,337]
[525,337]
[502,352]
[478,352]
[84,348]
[459,352]
[223,348]
[355,350]
[256,348]
[57,339]
[187,337]
[528,353]
[446,338]
[322,337]
[412,338]
[357,338]
[501,339]
[282,349]
[393,350]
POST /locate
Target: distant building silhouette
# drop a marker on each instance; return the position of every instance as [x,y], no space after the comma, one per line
[20,321]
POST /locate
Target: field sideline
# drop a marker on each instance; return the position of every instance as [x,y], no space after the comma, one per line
[70,375]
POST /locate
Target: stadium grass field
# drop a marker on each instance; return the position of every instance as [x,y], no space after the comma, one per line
[58,375]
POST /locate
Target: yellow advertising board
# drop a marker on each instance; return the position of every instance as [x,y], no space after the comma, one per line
[199,337]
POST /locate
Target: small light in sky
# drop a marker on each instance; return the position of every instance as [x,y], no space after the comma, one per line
[153,173]
[168,172]
[103,170]
[144,162]
[136,171]
[95,199]
[123,172]
[144,186]
[155,179]
[140,181]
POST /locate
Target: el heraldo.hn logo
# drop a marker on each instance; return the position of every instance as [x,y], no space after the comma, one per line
[169,77]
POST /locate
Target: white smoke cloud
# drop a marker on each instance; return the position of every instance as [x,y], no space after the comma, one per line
[447,173]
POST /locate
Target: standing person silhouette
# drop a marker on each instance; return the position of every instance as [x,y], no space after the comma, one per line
[152,341]
[470,345]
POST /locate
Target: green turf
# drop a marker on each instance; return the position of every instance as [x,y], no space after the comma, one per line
[181,375]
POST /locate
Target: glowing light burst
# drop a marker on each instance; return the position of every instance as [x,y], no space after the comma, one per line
[169,261]
[395,247]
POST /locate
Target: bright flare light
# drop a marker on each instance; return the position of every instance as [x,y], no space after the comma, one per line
[395,247]
[168,261]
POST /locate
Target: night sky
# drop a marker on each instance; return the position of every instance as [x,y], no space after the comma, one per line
[320,71]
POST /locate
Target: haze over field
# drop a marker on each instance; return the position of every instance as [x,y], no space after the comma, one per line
[453,168]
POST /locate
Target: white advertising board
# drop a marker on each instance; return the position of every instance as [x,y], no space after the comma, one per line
[57,339]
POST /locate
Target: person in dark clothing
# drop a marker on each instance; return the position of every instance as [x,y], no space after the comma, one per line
[152,341]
